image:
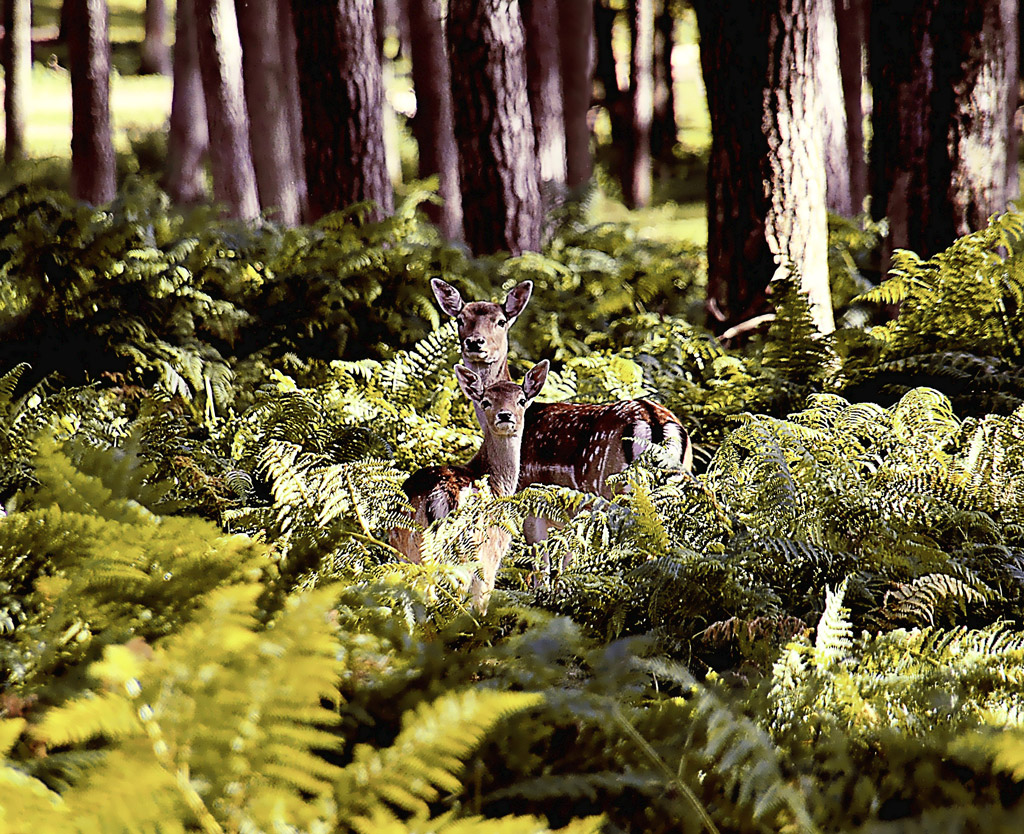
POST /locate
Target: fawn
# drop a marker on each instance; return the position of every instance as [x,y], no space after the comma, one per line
[568,444]
[435,491]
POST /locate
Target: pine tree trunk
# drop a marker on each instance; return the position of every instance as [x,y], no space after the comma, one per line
[544,87]
[220,66]
[943,149]
[156,53]
[266,92]
[342,106]
[852,28]
[830,93]
[663,126]
[576,42]
[292,103]
[766,177]
[493,129]
[636,180]
[433,124]
[17,64]
[188,137]
[92,150]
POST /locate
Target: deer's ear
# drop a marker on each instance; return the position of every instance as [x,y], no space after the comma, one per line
[447,297]
[535,379]
[516,300]
[470,383]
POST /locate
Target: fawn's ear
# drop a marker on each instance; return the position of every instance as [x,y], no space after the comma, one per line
[535,379]
[447,297]
[470,383]
[516,300]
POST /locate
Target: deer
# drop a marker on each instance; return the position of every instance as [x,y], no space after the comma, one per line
[576,445]
[436,491]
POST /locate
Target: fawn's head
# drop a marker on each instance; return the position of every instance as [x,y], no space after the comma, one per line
[503,403]
[483,325]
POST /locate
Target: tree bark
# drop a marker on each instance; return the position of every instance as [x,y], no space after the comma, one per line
[663,126]
[766,177]
[852,29]
[544,87]
[92,150]
[342,106]
[17,64]
[493,129]
[830,93]
[636,180]
[943,154]
[188,137]
[576,41]
[433,124]
[266,98]
[220,66]
[156,53]
[292,101]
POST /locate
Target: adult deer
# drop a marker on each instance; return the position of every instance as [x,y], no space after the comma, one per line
[576,445]
[435,491]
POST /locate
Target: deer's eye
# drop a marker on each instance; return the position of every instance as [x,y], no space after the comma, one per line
[460,320]
[485,403]
[502,322]
[522,401]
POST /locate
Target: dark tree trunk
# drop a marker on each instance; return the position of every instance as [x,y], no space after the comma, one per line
[943,148]
[92,150]
[663,127]
[17,64]
[852,28]
[156,53]
[292,102]
[220,66]
[266,98]
[576,42]
[614,98]
[433,126]
[636,180]
[342,106]
[493,129]
[188,137]
[544,86]
[766,177]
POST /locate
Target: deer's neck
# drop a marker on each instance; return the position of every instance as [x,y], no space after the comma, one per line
[499,458]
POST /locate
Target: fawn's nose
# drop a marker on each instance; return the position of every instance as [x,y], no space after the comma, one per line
[474,343]
[506,417]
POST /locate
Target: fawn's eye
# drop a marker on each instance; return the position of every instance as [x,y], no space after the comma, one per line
[502,322]
[522,401]
[460,320]
[485,403]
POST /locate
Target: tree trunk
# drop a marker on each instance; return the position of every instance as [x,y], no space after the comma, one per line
[292,101]
[636,180]
[433,126]
[266,96]
[576,42]
[17,64]
[156,54]
[852,28]
[342,106]
[766,177]
[614,98]
[544,87]
[92,150]
[220,66]
[188,137]
[663,126]
[943,149]
[830,93]
[493,129]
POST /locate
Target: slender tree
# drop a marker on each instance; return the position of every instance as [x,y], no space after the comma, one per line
[766,178]
[156,53]
[433,124]
[266,98]
[17,64]
[544,87]
[943,152]
[188,137]
[663,124]
[220,66]
[636,179]
[341,90]
[605,67]
[493,128]
[830,90]
[92,149]
[292,101]
[852,29]
[576,41]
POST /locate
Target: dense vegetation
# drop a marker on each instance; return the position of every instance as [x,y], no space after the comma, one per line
[203,628]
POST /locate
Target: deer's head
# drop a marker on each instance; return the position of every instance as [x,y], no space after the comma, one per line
[483,325]
[503,403]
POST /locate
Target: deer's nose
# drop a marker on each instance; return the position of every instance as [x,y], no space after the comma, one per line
[506,417]
[474,343]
